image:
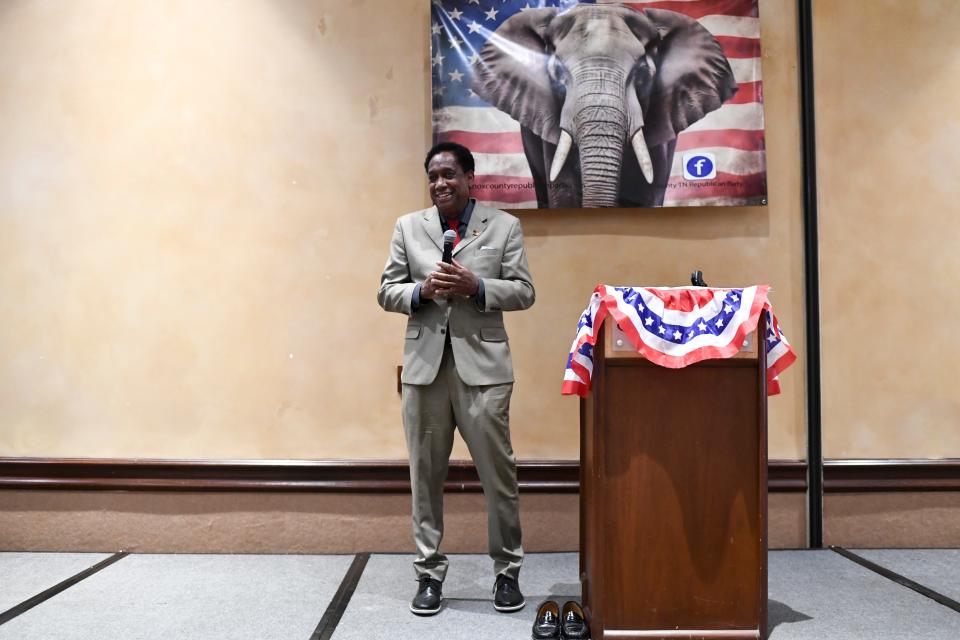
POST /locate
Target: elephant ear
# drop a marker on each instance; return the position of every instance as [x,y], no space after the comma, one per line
[511,73]
[693,76]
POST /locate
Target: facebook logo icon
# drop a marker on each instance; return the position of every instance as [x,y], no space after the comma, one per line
[699,166]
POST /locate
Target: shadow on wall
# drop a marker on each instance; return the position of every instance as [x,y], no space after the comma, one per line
[682,223]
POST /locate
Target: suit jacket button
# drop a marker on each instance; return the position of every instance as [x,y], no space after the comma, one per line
[443,330]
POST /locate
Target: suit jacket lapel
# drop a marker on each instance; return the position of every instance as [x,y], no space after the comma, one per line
[431,224]
[478,222]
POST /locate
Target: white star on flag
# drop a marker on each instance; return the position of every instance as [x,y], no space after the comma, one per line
[648,321]
[734,297]
[438,59]
[492,14]
[661,330]
[727,308]
[720,322]
[435,29]
[455,75]
[474,26]
[676,335]
[455,42]
[473,59]
[455,14]
[772,339]
[702,326]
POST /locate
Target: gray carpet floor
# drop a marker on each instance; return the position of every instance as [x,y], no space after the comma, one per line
[205,597]
[813,595]
[379,609]
[24,575]
[936,569]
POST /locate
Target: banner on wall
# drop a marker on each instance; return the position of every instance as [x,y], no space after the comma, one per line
[567,103]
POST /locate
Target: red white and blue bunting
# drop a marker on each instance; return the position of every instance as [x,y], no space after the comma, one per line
[678,326]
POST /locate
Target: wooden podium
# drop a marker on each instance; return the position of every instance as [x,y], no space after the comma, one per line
[673,502]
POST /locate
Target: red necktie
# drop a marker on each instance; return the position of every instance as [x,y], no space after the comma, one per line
[454,223]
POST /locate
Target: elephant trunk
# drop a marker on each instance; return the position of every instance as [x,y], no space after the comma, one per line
[600,122]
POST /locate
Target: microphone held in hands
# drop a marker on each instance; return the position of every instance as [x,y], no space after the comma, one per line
[449,237]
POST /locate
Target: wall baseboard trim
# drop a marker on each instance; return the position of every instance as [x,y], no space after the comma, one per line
[392,476]
[852,476]
[323,476]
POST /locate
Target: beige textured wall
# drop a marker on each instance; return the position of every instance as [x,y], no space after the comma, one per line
[888,99]
[196,199]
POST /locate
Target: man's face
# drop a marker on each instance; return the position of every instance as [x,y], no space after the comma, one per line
[449,185]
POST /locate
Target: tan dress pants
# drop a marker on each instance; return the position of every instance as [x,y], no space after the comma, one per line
[481,413]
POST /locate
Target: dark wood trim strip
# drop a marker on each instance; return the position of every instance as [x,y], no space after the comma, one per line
[786,476]
[338,605]
[383,476]
[899,579]
[375,476]
[392,476]
[43,596]
[683,634]
[842,476]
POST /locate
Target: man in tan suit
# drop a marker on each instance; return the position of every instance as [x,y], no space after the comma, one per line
[457,371]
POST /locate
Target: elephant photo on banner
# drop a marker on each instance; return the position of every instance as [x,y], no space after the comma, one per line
[572,104]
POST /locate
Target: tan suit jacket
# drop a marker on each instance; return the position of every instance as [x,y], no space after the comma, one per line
[492,248]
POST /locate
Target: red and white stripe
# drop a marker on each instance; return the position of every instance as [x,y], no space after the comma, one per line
[779,357]
[702,347]
[503,178]
[733,133]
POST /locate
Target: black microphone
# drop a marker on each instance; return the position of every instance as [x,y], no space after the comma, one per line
[449,237]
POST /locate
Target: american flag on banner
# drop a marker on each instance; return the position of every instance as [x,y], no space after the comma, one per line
[731,137]
[678,326]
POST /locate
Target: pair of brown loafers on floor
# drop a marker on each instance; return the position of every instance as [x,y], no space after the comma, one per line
[553,622]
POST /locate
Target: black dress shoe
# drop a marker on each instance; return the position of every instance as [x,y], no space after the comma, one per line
[429,597]
[547,624]
[573,626]
[507,595]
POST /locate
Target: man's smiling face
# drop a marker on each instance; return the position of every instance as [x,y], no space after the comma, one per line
[449,185]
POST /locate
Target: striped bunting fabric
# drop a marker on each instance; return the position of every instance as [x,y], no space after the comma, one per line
[733,134]
[678,326]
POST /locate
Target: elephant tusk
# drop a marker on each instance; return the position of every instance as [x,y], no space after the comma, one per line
[560,157]
[643,155]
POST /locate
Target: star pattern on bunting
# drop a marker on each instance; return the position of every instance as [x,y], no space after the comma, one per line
[676,308]
[709,323]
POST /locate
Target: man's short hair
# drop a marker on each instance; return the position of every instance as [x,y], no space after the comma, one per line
[460,152]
